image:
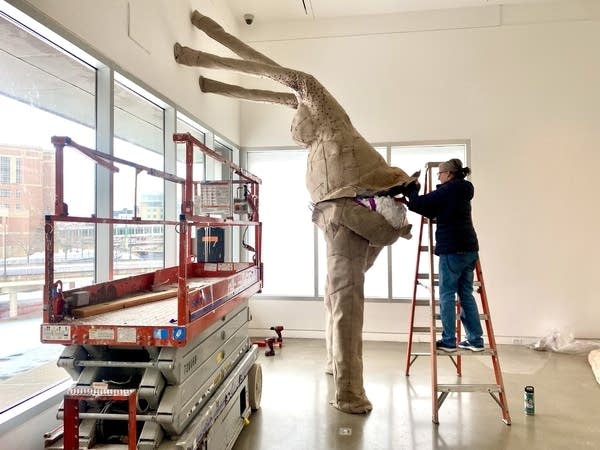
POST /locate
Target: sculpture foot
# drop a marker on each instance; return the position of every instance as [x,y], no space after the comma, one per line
[202,82]
[190,57]
[205,23]
[177,49]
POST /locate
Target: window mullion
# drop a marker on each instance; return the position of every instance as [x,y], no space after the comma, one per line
[170,189]
[104,179]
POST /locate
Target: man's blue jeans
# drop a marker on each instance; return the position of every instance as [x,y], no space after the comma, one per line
[456,277]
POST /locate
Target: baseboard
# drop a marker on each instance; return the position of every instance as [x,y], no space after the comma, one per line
[376,336]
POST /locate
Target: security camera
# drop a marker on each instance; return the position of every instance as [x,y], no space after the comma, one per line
[249,18]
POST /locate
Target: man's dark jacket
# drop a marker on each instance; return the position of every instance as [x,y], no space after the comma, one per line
[450,205]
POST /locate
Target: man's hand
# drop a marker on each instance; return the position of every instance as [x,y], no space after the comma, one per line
[412,188]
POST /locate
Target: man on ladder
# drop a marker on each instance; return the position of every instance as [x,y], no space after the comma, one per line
[457,248]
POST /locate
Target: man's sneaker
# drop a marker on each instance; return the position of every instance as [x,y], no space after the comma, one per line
[441,345]
[474,348]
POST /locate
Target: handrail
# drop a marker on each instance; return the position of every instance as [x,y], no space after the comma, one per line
[187,137]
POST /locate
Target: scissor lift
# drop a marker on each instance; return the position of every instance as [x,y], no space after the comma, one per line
[173,339]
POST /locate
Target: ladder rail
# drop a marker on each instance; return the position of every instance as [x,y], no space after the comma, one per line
[503,402]
[410,358]
[433,321]
[432,324]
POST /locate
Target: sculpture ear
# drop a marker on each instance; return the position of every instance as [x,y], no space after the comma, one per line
[406,188]
[303,130]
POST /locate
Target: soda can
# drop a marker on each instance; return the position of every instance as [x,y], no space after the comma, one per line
[529,401]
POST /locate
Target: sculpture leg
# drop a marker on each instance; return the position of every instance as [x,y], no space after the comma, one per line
[196,58]
[372,253]
[257,95]
[216,32]
[347,259]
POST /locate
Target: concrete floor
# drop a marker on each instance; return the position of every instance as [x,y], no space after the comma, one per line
[295,414]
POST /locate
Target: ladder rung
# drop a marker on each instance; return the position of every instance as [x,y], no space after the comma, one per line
[425,276]
[426,329]
[424,248]
[468,388]
[481,316]
[466,352]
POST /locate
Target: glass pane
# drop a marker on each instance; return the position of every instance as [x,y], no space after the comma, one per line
[43,92]
[220,172]
[288,231]
[139,139]
[198,166]
[185,125]
[404,252]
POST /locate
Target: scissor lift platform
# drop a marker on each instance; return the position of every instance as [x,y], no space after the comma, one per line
[154,322]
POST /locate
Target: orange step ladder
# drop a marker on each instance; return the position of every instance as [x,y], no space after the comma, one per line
[429,279]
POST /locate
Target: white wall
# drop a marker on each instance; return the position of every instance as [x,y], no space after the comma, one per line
[522,84]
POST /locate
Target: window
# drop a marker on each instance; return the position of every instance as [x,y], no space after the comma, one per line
[185,125]
[288,233]
[43,92]
[404,252]
[138,138]
[18,171]
[288,225]
[46,91]
[4,170]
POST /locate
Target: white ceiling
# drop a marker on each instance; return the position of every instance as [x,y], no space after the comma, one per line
[266,11]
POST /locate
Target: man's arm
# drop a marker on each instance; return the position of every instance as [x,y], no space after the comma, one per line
[427,205]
